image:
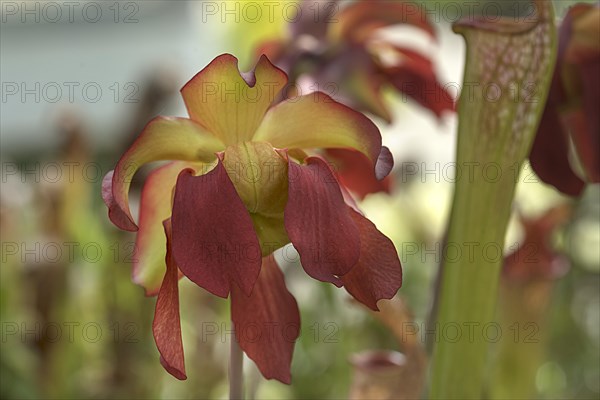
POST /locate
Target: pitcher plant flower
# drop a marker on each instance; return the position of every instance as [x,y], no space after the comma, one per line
[241,185]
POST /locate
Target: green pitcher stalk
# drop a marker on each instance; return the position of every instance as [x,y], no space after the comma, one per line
[507,75]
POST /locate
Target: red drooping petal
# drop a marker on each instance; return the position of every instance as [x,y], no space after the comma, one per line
[414,58]
[575,97]
[355,172]
[414,75]
[421,84]
[166,326]
[359,20]
[319,223]
[267,323]
[549,155]
[585,123]
[377,274]
[214,242]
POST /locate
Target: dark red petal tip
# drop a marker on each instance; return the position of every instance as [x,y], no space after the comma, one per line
[318,222]
[173,371]
[416,77]
[214,242]
[267,323]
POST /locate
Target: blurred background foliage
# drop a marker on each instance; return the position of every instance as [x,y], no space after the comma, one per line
[75,326]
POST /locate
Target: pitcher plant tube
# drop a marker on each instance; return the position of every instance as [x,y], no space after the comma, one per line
[513,54]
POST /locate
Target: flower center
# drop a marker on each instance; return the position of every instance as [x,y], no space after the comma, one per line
[259,175]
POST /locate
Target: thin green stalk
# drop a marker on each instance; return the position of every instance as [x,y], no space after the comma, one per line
[236,370]
[497,123]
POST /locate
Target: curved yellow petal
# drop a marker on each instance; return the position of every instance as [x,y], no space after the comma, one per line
[231,104]
[162,139]
[317,121]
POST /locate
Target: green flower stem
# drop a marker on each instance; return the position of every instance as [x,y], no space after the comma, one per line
[507,76]
[236,370]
